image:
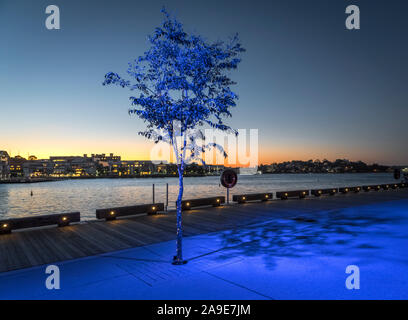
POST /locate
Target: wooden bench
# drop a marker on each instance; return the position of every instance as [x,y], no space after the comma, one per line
[350,189]
[113,213]
[402,185]
[60,219]
[319,192]
[283,195]
[242,198]
[201,202]
[385,186]
[372,188]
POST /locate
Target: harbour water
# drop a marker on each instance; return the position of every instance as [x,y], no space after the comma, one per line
[87,195]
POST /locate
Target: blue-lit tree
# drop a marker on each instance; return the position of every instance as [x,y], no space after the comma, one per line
[182,84]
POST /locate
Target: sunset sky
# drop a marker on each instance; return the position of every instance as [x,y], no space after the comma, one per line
[311,87]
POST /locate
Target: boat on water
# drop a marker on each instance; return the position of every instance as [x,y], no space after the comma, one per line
[249,171]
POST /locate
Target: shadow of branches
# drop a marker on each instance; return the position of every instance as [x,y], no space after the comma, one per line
[331,233]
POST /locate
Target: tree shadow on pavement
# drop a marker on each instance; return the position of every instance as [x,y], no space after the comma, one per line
[332,233]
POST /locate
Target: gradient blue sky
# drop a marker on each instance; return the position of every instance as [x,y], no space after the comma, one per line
[311,87]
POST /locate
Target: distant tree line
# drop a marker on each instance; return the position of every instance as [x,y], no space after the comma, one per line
[325,166]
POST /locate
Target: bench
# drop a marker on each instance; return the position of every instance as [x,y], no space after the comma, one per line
[350,189]
[385,186]
[201,202]
[242,198]
[60,219]
[283,195]
[319,192]
[113,213]
[372,188]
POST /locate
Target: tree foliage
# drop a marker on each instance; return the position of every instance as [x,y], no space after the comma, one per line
[181,83]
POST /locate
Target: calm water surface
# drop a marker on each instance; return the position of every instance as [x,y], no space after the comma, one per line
[87,195]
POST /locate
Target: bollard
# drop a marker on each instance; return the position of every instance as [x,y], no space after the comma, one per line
[167,196]
[153,193]
[228,196]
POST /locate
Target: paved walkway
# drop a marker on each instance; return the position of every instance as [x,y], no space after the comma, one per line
[43,246]
[300,251]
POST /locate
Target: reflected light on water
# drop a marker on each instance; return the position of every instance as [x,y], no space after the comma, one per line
[87,195]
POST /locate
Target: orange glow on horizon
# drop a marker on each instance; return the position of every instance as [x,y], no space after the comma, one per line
[136,148]
[142,152]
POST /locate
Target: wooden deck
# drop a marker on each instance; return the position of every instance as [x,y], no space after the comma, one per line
[48,245]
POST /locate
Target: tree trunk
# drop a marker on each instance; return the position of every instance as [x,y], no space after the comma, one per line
[178,258]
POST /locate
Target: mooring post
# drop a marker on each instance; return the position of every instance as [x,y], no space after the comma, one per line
[167,196]
[153,193]
[228,195]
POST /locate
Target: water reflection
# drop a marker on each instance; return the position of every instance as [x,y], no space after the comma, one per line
[87,195]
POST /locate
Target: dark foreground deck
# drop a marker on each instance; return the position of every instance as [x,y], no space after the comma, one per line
[48,245]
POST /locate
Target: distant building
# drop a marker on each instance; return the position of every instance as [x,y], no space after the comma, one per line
[4,165]
[165,168]
[83,166]
[162,168]
[72,166]
[106,165]
[214,168]
[104,157]
[37,168]
[16,167]
[145,167]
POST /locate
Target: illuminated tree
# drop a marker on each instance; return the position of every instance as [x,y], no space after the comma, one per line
[182,84]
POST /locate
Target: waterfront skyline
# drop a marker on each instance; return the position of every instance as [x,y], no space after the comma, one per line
[313,89]
[33,156]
